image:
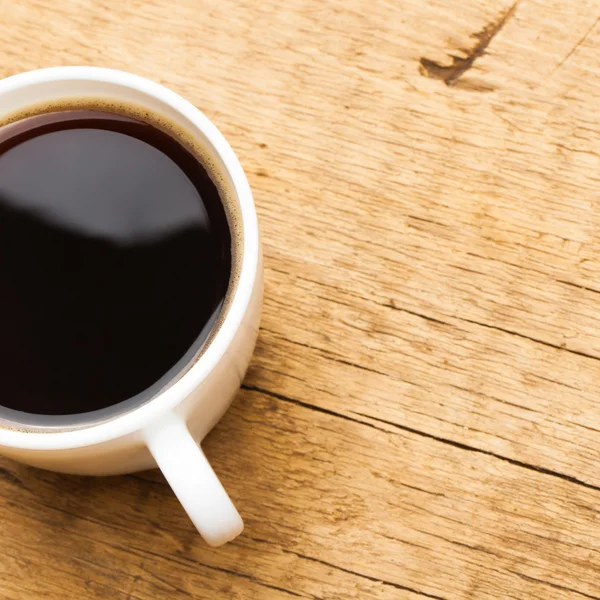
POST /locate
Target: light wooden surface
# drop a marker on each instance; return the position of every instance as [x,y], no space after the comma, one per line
[421,418]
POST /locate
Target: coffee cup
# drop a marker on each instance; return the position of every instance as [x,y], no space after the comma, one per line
[166,429]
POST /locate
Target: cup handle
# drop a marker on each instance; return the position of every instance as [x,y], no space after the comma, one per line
[192,479]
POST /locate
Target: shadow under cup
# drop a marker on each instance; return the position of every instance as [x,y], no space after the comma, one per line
[48,97]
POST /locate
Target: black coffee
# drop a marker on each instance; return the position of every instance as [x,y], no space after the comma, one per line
[115,260]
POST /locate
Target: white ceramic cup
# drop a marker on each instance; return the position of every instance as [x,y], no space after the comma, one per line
[166,430]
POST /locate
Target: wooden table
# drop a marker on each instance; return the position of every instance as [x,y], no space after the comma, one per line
[421,418]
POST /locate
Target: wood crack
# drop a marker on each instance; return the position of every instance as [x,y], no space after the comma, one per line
[450,74]
[576,46]
[494,398]
[369,577]
[325,411]
[327,354]
[531,339]
[503,330]
[462,544]
[512,461]
[186,562]
[6,475]
[393,305]
[576,285]
[556,586]
[430,436]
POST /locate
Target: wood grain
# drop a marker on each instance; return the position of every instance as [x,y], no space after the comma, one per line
[420,419]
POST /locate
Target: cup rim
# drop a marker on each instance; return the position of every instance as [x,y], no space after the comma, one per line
[140,417]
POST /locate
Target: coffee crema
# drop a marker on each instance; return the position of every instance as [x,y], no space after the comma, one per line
[116,261]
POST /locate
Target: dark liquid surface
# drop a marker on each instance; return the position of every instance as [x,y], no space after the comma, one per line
[115,259]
